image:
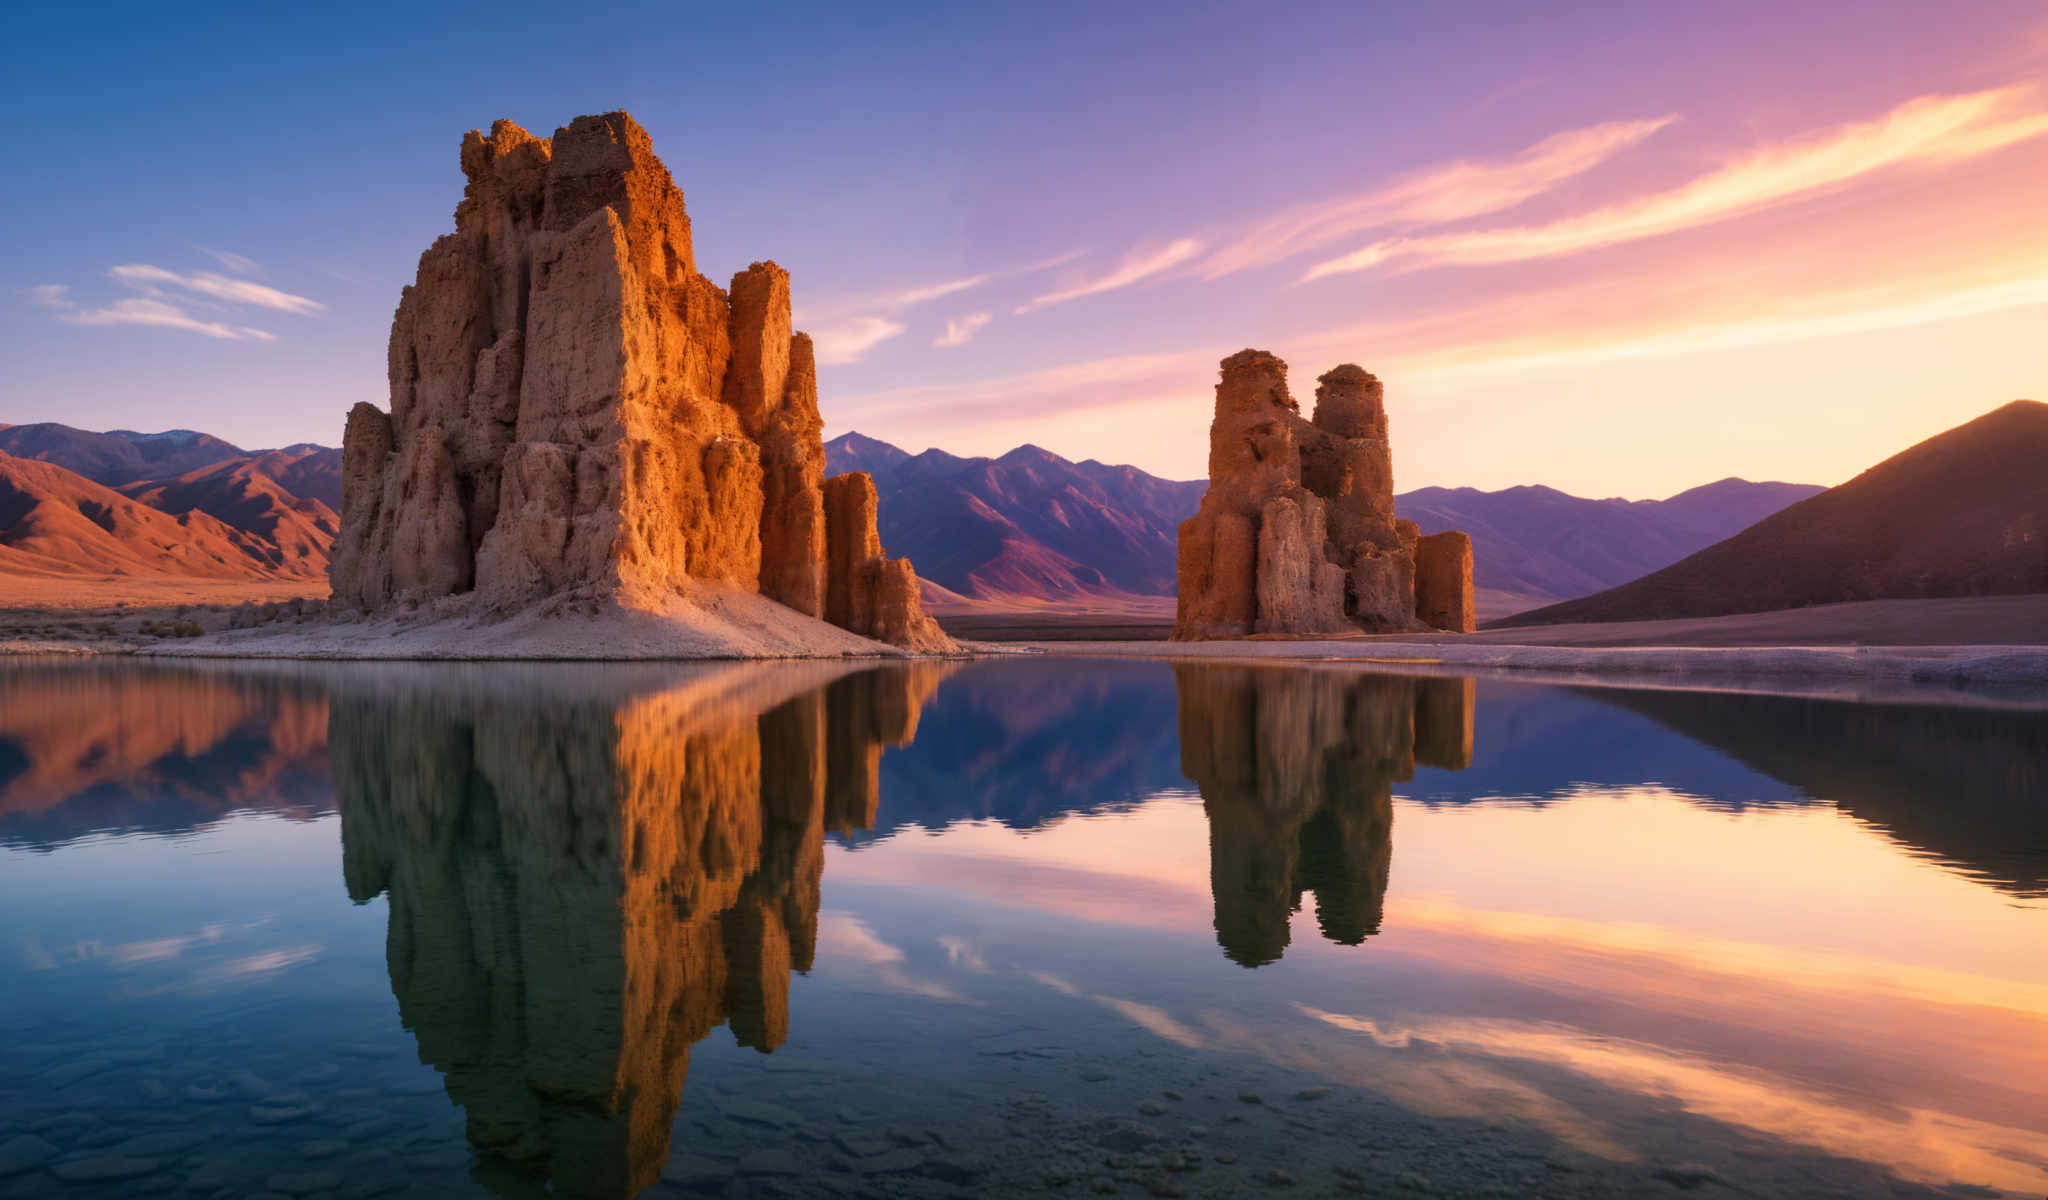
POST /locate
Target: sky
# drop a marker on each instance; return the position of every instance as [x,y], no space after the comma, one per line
[1615,248]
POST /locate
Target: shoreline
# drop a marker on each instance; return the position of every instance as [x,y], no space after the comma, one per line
[1990,674]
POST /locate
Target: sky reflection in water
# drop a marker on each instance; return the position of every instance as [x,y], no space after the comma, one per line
[1013,927]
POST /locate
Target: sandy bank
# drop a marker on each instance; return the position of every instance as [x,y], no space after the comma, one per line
[708,623]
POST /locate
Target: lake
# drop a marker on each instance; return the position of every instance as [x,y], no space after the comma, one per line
[1031,926]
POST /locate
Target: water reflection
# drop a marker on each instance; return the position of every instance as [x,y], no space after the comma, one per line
[586,871]
[1296,770]
[95,745]
[582,888]
[1964,786]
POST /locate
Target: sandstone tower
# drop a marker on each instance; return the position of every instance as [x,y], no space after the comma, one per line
[577,415]
[1296,534]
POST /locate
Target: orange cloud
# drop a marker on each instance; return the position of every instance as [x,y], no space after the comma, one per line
[1434,195]
[1931,130]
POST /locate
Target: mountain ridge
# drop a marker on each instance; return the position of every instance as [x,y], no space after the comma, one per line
[1021,530]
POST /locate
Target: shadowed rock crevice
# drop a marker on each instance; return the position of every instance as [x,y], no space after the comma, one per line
[1296,534]
[577,413]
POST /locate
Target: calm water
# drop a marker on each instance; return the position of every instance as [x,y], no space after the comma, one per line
[1017,927]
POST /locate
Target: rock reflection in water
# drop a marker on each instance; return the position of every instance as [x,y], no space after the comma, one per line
[582,887]
[1296,770]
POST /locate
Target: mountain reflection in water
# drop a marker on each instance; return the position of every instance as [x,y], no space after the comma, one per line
[587,871]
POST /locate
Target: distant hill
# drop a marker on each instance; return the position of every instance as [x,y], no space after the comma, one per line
[1964,513]
[247,494]
[54,523]
[1032,527]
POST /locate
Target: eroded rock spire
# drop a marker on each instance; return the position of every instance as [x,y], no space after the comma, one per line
[578,415]
[1296,534]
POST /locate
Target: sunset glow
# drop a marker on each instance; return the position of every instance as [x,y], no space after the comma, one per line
[1610,250]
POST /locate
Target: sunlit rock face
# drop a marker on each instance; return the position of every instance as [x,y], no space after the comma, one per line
[1296,534]
[583,887]
[576,411]
[1296,771]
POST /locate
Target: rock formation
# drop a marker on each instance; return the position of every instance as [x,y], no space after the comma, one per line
[1296,534]
[1443,581]
[577,413]
[587,874]
[1296,771]
[867,593]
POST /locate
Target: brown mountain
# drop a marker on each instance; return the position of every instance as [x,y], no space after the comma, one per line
[1964,513]
[54,523]
[247,494]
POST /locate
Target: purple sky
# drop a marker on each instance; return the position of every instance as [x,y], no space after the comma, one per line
[1616,248]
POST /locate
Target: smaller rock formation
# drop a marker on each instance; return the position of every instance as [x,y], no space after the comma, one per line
[1443,581]
[1296,534]
[865,592]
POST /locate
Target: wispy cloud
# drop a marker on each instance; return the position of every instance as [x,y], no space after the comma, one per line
[1836,316]
[846,939]
[144,311]
[849,339]
[910,297]
[1434,195]
[844,332]
[218,287]
[961,953]
[1089,383]
[1929,130]
[1135,267]
[960,329]
[169,300]
[240,264]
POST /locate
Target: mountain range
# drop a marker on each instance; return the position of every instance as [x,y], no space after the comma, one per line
[178,504]
[1026,530]
[1031,528]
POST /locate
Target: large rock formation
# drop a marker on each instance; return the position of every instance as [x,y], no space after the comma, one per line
[575,411]
[1296,534]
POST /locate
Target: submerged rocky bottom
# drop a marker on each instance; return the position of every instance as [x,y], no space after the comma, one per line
[117,1117]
